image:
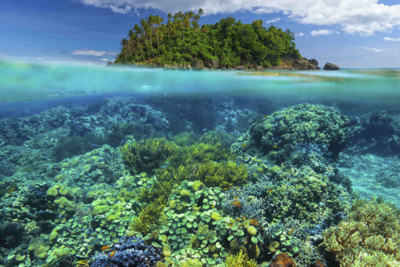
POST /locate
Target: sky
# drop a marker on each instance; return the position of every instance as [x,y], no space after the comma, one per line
[349,33]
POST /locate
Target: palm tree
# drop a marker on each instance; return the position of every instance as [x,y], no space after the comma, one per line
[139,36]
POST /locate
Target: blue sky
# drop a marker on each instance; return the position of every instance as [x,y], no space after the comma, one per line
[362,33]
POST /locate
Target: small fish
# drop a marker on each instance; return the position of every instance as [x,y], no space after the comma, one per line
[270,191]
[291,231]
[146,157]
[204,129]
[244,145]
[105,247]
[275,147]
[235,197]
[112,254]
[266,116]
[213,206]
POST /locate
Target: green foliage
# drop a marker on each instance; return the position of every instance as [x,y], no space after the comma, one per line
[200,153]
[147,155]
[225,44]
[369,236]
[222,174]
[148,217]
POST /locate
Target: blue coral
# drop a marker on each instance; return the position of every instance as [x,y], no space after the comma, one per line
[129,252]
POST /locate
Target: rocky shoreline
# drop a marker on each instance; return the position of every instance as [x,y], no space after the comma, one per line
[211,65]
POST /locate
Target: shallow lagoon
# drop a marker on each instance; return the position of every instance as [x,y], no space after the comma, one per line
[260,162]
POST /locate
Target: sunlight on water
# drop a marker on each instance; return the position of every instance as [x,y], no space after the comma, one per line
[22,82]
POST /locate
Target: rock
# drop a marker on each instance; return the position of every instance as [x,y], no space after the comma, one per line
[330,66]
[198,64]
[212,63]
[259,68]
[313,61]
[313,64]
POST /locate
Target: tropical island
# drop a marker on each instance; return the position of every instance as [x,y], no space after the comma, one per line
[182,43]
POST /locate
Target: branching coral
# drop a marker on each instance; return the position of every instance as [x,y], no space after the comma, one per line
[368,237]
[146,156]
[239,260]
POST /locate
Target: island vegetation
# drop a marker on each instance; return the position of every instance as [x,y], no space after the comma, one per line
[182,43]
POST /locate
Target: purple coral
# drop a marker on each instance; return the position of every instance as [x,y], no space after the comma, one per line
[129,252]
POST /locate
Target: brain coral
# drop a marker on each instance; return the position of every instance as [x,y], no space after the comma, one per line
[278,134]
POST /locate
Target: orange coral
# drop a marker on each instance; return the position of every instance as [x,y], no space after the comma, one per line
[282,260]
[255,223]
[237,204]
[318,263]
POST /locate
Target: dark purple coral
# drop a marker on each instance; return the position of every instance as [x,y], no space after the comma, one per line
[129,252]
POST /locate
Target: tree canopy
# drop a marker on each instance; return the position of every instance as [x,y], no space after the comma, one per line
[226,44]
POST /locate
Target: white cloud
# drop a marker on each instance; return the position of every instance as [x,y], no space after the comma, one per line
[354,16]
[272,20]
[300,34]
[322,32]
[376,50]
[104,59]
[91,52]
[392,39]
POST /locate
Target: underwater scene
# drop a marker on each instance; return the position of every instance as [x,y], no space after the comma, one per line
[124,166]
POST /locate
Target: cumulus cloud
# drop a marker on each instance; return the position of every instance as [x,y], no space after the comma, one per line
[376,50]
[392,39]
[300,34]
[362,16]
[322,32]
[273,20]
[91,52]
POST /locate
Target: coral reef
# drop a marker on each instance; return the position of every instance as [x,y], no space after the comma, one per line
[278,134]
[130,251]
[282,260]
[369,236]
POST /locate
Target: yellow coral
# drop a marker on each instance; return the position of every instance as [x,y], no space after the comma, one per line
[239,260]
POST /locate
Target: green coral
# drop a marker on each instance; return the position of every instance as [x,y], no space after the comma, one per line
[148,218]
[222,174]
[278,134]
[147,155]
[304,195]
[369,236]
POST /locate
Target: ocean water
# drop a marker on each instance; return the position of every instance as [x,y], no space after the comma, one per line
[113,165]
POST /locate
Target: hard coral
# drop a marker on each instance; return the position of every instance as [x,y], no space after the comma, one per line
[282,260]
[129,252]
[278,134]
[368,237]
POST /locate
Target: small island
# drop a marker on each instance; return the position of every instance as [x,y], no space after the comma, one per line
[228,44]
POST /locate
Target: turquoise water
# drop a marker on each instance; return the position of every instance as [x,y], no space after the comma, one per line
[24,82]
[201,164]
